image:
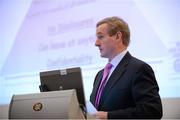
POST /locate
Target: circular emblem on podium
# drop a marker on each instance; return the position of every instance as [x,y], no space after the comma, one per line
[37,106]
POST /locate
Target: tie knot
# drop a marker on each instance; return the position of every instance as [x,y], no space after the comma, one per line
[108,66]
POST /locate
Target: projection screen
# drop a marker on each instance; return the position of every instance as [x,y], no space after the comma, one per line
[40,35]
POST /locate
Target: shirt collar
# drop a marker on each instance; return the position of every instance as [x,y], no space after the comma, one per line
[115,61]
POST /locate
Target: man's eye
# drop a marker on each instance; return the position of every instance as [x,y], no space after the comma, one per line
[100,37]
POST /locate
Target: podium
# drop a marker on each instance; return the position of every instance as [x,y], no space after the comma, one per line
[46,105]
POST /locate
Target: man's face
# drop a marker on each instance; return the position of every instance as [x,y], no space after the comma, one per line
[105,43]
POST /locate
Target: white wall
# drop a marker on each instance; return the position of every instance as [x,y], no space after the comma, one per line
[4,111]
[171,108]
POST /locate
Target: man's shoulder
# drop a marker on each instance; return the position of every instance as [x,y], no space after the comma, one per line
[136,62]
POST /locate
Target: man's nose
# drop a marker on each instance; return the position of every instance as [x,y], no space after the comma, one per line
[97,43]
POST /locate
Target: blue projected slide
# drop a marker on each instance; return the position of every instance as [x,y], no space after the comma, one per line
[39,35]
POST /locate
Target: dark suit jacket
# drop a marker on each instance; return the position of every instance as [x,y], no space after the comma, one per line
[131,91]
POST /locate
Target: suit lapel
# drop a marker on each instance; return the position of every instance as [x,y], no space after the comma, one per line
[115,76]
[96,84]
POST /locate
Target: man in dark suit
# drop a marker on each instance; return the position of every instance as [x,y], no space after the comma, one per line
[130,89]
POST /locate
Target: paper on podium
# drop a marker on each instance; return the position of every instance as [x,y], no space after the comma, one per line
[90,108]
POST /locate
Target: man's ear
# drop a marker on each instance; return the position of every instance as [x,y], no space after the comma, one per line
[119,35]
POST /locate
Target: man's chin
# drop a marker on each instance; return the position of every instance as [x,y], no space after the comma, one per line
[103,56]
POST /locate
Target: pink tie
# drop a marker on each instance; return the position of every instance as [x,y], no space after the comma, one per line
[102,84]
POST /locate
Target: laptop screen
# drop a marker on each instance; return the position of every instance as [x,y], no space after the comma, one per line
[64,79]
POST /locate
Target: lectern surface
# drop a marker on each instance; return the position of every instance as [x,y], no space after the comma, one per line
[46,105]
